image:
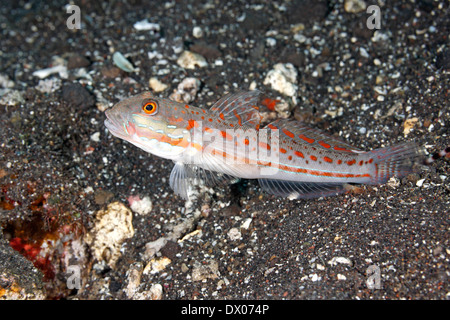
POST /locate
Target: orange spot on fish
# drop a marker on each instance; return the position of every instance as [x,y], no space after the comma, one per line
[326,159]
[324,144]
[246,142]
[283,150]
[309,140]
[341,149]
[313,158]
[272,127]
[238,117]
[192,124]
[288,133]
[221,116]
[299,154]
[351,162]
[339,161]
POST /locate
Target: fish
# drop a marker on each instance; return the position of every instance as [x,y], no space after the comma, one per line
[227,142]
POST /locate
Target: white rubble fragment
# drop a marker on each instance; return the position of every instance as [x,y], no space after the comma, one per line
[354,6]
[205,271]
[283,78]
[191,60]
[341,277]
[133,279]
[156,265]
[49,85]
[44,73]
[95,136]
[145,25]
[419,183]
[246,224]
[283,108]
[186,90]
[12,97]
[234,234]
[5,82]
[197,32]
[152,248]
[341,260]
[157,85]
[113,226]
[393,182]
[315,277]
[140,206]
[155,292]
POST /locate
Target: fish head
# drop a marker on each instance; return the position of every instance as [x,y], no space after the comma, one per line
[151,124]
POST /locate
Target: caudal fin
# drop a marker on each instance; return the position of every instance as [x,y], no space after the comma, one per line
[395,161]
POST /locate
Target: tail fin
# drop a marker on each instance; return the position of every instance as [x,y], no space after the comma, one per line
[398,160]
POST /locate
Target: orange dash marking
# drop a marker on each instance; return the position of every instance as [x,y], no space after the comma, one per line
[309,140]
[288,133]
[299,154]
[342,149]
[238,117]
[324,144]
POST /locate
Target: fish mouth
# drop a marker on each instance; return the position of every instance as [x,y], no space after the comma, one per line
[114,123]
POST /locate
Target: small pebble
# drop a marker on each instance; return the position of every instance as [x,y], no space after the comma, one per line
[157,85]
[283,78]
[191,60]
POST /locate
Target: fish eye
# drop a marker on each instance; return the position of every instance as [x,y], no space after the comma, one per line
[150,107]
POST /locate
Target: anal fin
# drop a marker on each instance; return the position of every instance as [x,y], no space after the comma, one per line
[301,190]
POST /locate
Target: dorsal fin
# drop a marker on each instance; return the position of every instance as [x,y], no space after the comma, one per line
[240,106]
[301,132]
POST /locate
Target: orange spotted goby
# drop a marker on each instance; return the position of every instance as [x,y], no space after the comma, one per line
[226,143]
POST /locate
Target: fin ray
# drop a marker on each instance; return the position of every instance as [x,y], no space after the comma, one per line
[397,160]
[300,132]
[239,106]
[301,190]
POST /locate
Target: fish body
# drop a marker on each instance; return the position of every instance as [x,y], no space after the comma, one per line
[226,142]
